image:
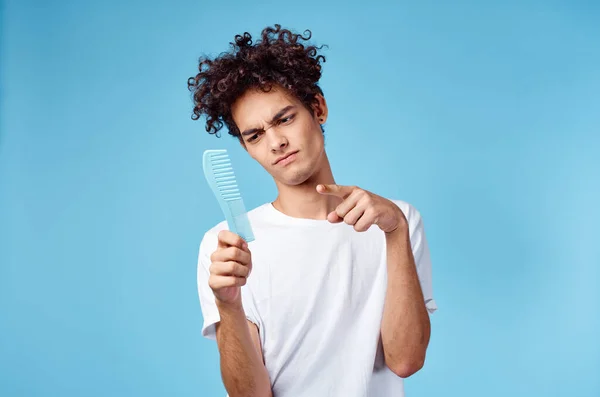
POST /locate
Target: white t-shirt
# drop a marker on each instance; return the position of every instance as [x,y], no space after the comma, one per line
[316,293]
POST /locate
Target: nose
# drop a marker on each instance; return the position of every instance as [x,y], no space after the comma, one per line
[277,141]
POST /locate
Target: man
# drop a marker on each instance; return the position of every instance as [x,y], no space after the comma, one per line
[333,296]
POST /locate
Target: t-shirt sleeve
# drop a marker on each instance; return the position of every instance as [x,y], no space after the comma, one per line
[422,257]
[210,312]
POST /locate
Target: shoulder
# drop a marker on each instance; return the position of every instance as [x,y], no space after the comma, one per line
[409,210]
[412,214]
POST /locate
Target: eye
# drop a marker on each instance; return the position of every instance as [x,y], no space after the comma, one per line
[287,119]
[254,137]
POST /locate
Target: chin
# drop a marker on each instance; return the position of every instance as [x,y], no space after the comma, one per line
[293,180]
[294,177]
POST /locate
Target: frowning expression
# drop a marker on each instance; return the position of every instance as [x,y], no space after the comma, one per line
[281,134]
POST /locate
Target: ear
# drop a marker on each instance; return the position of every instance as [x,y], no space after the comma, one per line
[320,108]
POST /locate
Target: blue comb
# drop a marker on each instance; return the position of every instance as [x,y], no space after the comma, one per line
[221,179]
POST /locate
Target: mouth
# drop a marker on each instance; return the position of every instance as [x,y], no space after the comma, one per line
[288,158]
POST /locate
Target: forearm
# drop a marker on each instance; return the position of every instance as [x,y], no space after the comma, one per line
[242,368]
[405,328]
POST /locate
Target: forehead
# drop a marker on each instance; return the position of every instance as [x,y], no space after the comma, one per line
[255,107]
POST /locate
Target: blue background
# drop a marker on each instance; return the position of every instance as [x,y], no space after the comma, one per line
[485,116]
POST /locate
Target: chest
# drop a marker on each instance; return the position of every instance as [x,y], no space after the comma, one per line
[305,269]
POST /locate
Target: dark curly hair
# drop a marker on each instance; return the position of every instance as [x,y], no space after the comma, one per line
[277,58]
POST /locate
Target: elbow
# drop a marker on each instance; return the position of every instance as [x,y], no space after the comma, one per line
[407,368]
[265,393]
[257,393]
[249,388]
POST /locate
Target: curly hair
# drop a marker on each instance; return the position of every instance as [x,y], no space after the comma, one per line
[277,58]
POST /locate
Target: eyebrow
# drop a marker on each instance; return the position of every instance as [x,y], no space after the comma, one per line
[277,116]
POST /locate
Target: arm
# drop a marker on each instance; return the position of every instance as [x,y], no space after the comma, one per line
[242,365]
[405,327]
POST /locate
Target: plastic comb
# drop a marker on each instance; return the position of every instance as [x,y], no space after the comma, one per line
[221,179]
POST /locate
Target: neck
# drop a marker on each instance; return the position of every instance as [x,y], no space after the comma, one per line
[303,200]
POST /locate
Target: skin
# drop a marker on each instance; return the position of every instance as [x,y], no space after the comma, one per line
[297,130]
[307,189]
[242,366]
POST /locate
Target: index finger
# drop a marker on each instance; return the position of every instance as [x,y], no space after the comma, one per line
[335,190]
[227,238]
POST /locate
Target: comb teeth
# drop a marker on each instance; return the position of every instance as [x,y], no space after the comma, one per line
[224,176]
[220,176]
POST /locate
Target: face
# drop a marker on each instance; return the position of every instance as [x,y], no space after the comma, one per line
[281,134]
